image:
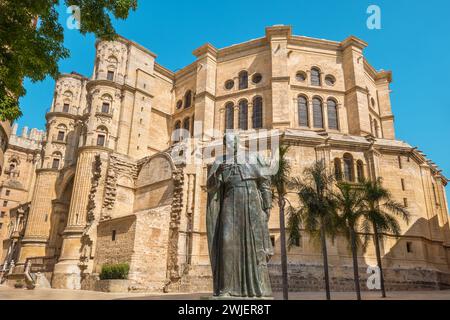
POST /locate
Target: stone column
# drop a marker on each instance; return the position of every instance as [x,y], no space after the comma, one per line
[250,116]
[310,114]
[38,227]
[67,272]
[236,117]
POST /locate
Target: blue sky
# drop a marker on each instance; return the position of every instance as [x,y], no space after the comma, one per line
[414,43]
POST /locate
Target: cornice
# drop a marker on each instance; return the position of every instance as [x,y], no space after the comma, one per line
[205,50]
[113,84]
[377,75]
[164,71]
[51,114]
[278,32]
[308,42]
[353,42]
[190,69]
[73,75]
[317,89]
[126,41]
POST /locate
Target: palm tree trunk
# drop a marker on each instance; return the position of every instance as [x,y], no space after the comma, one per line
[378,253]
[325,260]
[355,265]
[281,204]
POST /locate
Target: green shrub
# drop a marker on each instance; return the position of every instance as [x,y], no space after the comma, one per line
[114,271]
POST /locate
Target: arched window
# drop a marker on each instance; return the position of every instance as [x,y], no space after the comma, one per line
[186,127]
[102,133]
[188,99]
[229,116]
[56,159]
[112,61]
[257,116]
[349,174]
[376,128]
[360,170]
[62,129]
[243,115]
[317,113]
[243,80]
[67,101]
[315,77]
[332,115]
[105,107]
[337,169]
[303,113]
[177,134]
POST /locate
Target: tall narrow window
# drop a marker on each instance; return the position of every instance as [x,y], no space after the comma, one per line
[257,116]
[188,99]
[55,163]
[337,169]
[101,140]
[405,202]
[400,165]
[409,247]
[375,128]
[186,127]
[435,195]
[332,115]
[348,168]
[243,115]
[66,107]
[303,113]
[317,113]
[403,184]
[229,116]
[243,80]
[315,77]
[105,107]
[61,135]
[360,170]
[110,75]
[176,135]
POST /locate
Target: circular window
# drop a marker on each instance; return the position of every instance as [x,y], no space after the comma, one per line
[179,104]
[330,80]
[257,77]
[229,84]
[300,76]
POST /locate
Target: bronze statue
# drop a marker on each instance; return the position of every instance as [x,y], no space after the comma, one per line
[239,203]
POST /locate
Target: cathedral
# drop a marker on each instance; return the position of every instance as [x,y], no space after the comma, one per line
[101,185]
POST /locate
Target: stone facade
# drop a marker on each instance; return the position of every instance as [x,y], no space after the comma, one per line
[107,188]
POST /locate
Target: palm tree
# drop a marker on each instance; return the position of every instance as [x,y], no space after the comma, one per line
[381,215]
[318,210]
[279,182]
[350,203]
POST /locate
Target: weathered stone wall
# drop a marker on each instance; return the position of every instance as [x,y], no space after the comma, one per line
[119,250]
[150,249]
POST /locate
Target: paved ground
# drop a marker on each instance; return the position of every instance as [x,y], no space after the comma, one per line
[7,293]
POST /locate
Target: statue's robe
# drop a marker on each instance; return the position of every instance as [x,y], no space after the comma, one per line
[237,227]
